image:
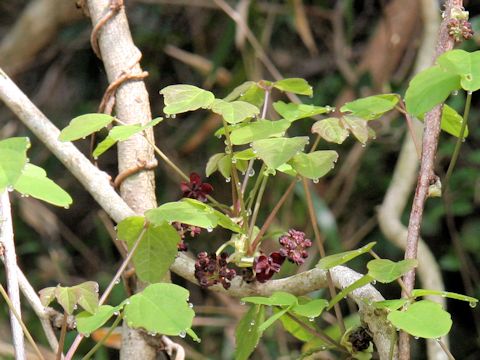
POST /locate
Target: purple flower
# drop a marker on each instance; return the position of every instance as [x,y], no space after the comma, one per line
[195,188]
[294,245]
[266,266]
[211,269]
[183,230]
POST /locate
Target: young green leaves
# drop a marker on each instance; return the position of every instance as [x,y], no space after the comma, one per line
[355,119]
[417,320]
[253,324]
[85,295]
[160,308]
[157,246]
[87,124]
[13,155]
[29,180]
[455,69]
[182,98]
[84,125]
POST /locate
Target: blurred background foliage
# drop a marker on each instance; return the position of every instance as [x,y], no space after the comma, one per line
[337,46]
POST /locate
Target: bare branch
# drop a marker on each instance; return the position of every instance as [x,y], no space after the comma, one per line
[10,256]
[426,175]
[404,176]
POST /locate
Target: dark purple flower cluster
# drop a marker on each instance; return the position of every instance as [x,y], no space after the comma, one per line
[183,230]
[294,245]
[460,29]
[211,269]
[195,188]
[266,266]
[360,338]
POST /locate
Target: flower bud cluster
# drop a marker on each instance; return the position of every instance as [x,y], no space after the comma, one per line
[211,269]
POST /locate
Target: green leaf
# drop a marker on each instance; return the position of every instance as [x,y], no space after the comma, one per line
[314,165]
[240,90]
[88,323]
[386,271]
[464,64]
[334,332]
[279,298]
[47,295]
[234,112]
[183,212]
[67,298]
[247,333]
[182,98]
[87,295]
[212,164]
[84,125]
[34,182]
[241,165]
[429,88]
[13,157]
[358,127]
[451,121]
[331,130]
[258,300]
[225,166]
[226,222]
[246,154]
[287,169]
[255,95]
[310,309]
[121,133]
[156,252]
[390,304]
[425,319]
[282,298]
[364,280]
[298,330]
[341,258]
[259,130]
[223,220]
[294,85]
[293,112]
[371,107]
[277,151]
[129,229]
[269,322]
[160,308]
[423,292]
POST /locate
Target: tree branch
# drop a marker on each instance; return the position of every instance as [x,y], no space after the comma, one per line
[132,106]
[426,175]
[404,176]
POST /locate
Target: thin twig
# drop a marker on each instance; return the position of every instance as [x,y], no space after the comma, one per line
[321,249]
[104,338]
[9,254]
[316,333]
[272,215]
[63,332]
[22,325]
[460,140]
